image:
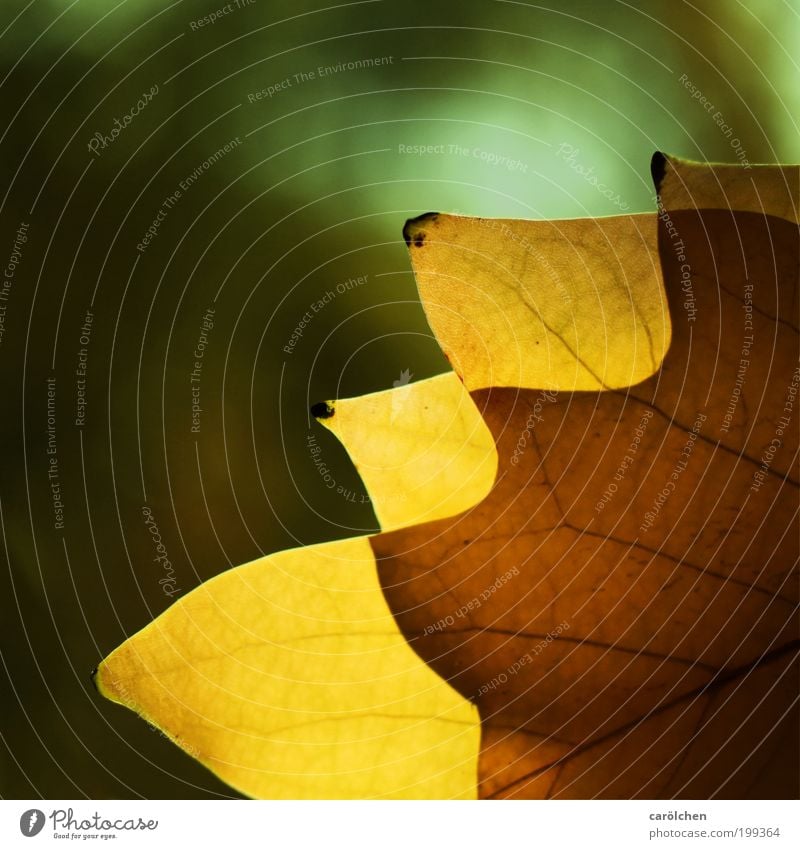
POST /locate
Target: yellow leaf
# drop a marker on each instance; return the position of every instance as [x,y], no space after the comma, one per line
[567,305]
[423,450]
[608,572]
[289,679]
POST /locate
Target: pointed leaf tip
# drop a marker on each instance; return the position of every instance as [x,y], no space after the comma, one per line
[414,229]
[422,449]
[322,410]
[658,168]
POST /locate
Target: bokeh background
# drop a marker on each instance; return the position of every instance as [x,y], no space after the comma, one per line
[528,110]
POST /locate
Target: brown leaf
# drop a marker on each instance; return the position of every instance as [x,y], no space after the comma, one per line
[622,606]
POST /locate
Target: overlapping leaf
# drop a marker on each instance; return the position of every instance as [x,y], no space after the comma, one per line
[598,550]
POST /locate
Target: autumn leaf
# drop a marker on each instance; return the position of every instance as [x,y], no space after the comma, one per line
[589,532]
[289,678]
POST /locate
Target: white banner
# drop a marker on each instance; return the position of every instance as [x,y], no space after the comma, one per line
[398,825]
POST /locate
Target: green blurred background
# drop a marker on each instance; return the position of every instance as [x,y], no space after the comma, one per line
[531,110]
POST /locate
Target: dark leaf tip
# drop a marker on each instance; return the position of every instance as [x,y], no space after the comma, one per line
[413,230]
[658,168]
[322,410]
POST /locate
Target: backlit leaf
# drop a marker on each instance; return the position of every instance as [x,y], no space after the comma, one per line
[608,572]
[289,678]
